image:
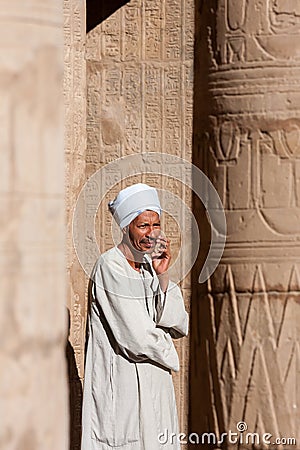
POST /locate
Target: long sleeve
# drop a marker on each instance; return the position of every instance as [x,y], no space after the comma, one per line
[119,297]
[171,311]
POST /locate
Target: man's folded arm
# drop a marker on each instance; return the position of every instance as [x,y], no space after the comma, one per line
[171,312]
[134,331]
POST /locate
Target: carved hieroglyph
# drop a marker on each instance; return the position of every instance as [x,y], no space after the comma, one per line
[140,92]
[248,142]
[75,148]
[33,384]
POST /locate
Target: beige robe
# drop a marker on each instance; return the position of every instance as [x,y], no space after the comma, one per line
[128,395]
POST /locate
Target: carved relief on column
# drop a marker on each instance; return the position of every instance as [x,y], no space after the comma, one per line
[248,143]
[33,385]
[75,150]
[140,99]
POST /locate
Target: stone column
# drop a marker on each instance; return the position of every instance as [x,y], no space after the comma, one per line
[33,322]
[75,149]
[245,364]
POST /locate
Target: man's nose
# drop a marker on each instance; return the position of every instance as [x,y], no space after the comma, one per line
[149,230]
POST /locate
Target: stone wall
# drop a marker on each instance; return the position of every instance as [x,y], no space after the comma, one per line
[139,62]
[33,386]
[139,99]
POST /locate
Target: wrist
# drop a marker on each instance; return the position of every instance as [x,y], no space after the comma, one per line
[163,279]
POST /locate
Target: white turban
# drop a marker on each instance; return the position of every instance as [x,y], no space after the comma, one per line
[132,201]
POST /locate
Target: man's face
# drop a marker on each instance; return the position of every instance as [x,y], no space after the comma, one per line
[140,229]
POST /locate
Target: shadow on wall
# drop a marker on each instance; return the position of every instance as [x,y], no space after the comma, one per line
[99,10]
[75,395]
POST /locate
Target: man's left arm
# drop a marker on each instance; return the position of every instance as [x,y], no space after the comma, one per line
[170,310]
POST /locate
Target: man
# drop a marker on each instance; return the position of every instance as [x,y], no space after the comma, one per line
[128,398]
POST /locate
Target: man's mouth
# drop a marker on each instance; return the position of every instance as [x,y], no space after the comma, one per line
[148,244]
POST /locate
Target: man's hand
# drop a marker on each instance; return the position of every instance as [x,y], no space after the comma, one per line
[161,261]
[162,258]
